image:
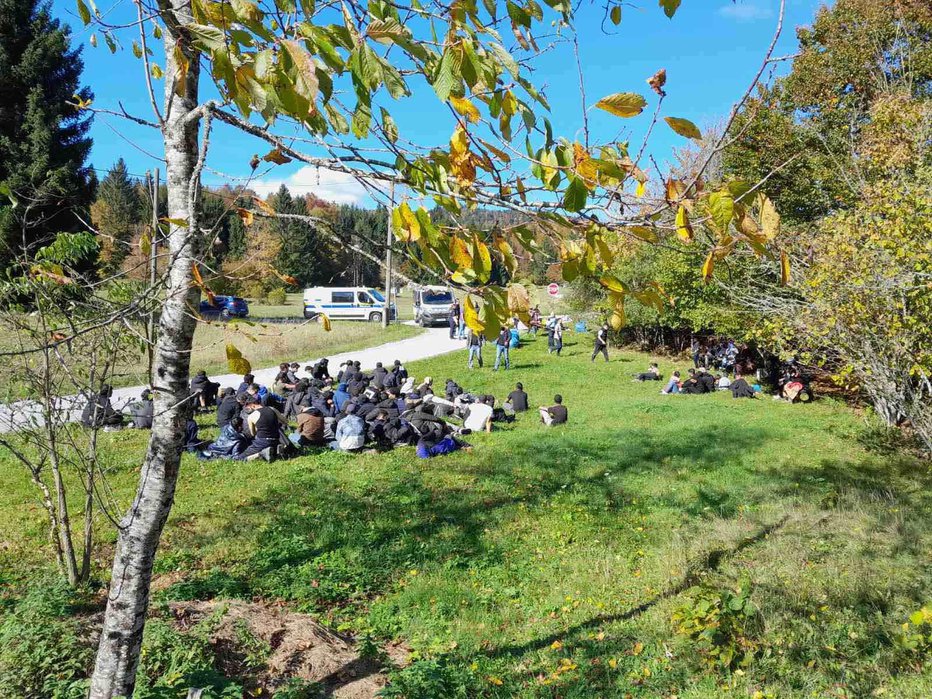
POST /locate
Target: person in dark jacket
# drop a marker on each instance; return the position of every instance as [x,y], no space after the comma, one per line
[556,414]
[378,375]
[517,399]
[740,388]
[340,396]
[298,399]
[231,442]
[502,343]
[453,318]
[228,407]
[321,371]
[192,442]
[691,385]
[204,390]
[142,412]
[399,371]
[99,412]
[601,343]
[426,448]
[325,404]
[264,424]
[248,380]
[707,381]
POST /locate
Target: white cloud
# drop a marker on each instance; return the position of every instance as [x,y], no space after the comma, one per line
[749,11]
[329,185]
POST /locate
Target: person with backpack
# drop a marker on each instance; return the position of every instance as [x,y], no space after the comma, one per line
[502,343]
[601,343]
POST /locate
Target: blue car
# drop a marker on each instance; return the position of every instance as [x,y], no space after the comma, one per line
[224,307]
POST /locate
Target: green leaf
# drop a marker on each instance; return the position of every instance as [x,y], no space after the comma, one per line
[305,72]
[111,43]
[137,50]
[84,12]
[670,7]
[574,198]
[337,120]
[207,37]
[722,208]
[444,80]
[361,119]
[684,127]
[389,126]
[622,104]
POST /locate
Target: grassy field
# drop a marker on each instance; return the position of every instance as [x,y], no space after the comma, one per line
[656,546]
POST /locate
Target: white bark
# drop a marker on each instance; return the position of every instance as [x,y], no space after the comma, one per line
[141,528]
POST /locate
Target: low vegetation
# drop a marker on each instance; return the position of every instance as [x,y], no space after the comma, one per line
[657,546]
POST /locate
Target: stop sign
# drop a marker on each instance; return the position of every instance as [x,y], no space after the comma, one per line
[553,289]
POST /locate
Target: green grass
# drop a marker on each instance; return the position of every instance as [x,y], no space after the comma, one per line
[550,562]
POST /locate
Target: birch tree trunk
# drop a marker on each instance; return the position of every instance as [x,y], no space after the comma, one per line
[141,527]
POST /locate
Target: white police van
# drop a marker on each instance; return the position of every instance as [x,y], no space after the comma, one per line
[432,305]
[346,303]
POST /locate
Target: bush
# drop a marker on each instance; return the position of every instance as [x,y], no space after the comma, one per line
[276,297]
[42,654]
[429,679]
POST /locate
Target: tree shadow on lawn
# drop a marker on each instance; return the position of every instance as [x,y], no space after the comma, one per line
[324,540]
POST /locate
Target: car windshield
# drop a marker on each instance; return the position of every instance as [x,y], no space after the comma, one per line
[376,295]
[435,297]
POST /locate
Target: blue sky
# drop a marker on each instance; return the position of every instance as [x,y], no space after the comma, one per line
[710,49]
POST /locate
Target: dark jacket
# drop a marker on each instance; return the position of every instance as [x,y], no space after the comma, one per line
[100,413]
[230,443]
[227,410]
[741,389]
[142,412]
[518,400]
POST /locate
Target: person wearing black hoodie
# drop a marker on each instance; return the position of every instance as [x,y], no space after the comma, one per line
[517,399]
[142,412]
[204,390]
[378,375]
[99,412]
[321,372]
[228,407]
[740,388]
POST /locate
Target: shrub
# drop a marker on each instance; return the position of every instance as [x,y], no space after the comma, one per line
[42,654]
[429,679]
[722,623]
[276,297]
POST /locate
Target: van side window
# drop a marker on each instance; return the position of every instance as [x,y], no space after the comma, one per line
[342,297]
[363,297]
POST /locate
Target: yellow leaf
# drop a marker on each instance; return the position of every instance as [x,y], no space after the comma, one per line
[276,156]
[784,268]
[683,228]
[264,206]
[638,648]
[556,645]
[196,273]
[325,321]
[708,266]
[471,316]
[519,300]
[246,215]
[769,218]
[495,680]
[622,104]
[466,108]
[684,127]
[639,190]
[617,319]
[459,252]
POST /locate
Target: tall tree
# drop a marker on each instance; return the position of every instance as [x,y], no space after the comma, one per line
[43,138]
[306,253]
[116,214]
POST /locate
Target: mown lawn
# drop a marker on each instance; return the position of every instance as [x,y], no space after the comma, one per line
[551,562]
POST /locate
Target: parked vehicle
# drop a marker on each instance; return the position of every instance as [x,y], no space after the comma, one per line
[224,307]
[432,305]
[346,303]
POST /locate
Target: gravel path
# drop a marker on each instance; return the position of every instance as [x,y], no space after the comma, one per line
[430,343]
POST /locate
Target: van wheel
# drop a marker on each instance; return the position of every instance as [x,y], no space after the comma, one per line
[310,315]
[375,317]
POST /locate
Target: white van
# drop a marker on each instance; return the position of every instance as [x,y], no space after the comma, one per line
[346,303]
[432,305]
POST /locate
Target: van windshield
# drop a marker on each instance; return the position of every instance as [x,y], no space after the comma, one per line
[374,293]
[432,298]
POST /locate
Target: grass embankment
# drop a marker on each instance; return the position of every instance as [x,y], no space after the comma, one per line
[264,345]
[551,562]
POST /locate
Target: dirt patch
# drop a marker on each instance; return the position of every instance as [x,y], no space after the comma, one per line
[291,645]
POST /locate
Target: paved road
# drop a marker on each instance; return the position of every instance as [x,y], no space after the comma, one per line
[430,343]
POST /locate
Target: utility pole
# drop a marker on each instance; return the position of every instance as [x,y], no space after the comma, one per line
[153,275]
[388,257]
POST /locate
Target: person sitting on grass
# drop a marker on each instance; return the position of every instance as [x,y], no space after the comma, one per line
[478,416]
[99,412]
[204,390]
[652,373]
[310,429]
[282,384]
[264,424]
[673,385]
[230,444]
[517,399]
[556,414]
[248,380]
[142,412]
[192,443]
[320,370]
[227,407]
[340,396]
[722,383]
[740,388]
[350,434]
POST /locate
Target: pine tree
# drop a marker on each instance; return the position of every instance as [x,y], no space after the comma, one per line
[43,141]
[116,214]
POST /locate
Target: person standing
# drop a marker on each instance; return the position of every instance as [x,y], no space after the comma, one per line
[501,348]
[601,342]
[695,348]
[454,319]
[474,347]
[557,343]
[551,325]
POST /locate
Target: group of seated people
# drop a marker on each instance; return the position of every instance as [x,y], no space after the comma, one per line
[352,411]
[701,381]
